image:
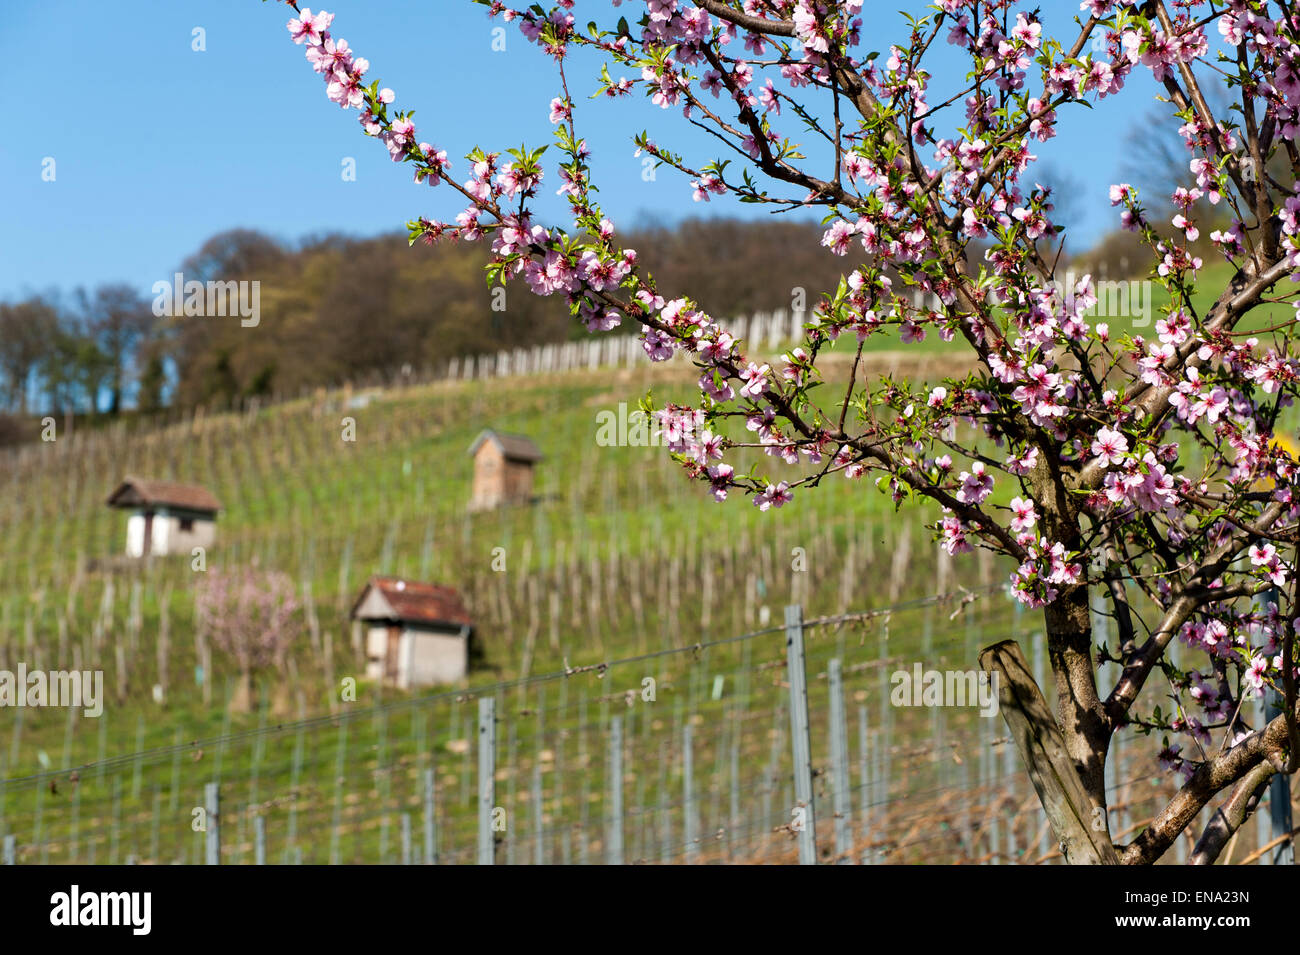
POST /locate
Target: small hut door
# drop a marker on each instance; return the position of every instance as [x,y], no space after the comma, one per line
[393,654]
[147,545]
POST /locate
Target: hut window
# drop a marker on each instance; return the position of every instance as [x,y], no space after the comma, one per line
[187,524]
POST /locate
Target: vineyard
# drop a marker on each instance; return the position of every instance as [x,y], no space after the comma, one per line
[632,631]
[682,755]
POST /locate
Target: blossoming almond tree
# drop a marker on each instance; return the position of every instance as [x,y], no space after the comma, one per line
[251,616]
[1141,470]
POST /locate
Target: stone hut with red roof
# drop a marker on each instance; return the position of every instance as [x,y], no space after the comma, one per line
[415,634]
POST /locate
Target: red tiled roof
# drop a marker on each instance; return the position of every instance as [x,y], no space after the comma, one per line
[419,603]
[136,492]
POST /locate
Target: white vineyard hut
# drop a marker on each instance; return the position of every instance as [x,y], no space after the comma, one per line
[166,517]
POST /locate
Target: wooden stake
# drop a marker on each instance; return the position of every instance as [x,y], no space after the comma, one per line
[1069,810]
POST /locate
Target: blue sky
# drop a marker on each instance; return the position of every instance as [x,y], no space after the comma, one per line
[157,146]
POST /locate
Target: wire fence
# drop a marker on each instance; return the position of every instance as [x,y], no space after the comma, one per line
[690,754]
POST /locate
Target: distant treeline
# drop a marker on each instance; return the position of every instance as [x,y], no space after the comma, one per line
[334,308]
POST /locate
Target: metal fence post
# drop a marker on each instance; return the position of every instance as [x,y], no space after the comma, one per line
[733,805]
[259,840]
[866,783]
[539,857]
[487,769]
[688,782]
[1038,663]
[839,763]
[1263,822]
[430,821]
[884,732]
[805,818]
[212,840]
[615,826]
[10,851]
[1279,798]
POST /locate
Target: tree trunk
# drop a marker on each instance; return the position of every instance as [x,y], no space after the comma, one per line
[1079,711]
[281,699]
[241,701]
[1078,736]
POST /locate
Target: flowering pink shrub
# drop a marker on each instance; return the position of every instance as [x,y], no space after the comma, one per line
[1143,469]
[248,614]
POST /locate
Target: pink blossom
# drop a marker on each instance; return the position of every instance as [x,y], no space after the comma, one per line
[975,485]
[1262,553]
[308,28]
[1024,516]
[773,496]
[1110,447]
[838,236]
[755,378]
[1253,678]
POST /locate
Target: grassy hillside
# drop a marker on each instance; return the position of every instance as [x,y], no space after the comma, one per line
[299,497]
[619,557]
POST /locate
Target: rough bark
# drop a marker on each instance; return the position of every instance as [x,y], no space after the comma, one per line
[1079,710]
